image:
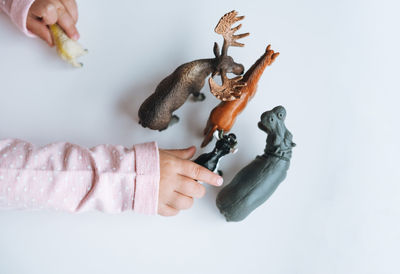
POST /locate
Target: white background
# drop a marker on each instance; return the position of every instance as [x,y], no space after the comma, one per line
[338,77]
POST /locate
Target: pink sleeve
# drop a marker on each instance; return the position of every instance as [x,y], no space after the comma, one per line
[68,177]
[18,12]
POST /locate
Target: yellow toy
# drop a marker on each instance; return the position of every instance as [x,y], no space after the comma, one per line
[68,49]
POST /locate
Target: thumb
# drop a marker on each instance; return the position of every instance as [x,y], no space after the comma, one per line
[185,153]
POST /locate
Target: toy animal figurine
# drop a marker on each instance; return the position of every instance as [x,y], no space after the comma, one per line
[67,48]
[156,112]
[223,116]
[255,183]
[225,144]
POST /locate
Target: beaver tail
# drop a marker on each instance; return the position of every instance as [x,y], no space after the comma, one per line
[209,131]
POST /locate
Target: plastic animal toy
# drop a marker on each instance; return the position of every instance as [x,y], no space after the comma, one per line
[156,112]
[223,116]
[68,49]
[255,183]
[225,144]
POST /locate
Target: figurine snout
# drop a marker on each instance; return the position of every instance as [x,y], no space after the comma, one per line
[264,116]
[238,69]
[266,119]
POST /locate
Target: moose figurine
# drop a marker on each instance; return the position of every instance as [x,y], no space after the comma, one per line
[223,116]
[256,182]
[225,144]
[156,112]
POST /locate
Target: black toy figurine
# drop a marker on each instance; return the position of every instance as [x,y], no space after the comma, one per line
[256,182]
[156,112]
[225,144]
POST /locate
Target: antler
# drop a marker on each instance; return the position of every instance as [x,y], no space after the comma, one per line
[230,89]
[224,28]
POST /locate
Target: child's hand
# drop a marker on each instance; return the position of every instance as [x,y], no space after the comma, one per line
[178,185]
[48,12]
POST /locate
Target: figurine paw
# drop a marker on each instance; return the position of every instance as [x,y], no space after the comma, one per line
[174,120]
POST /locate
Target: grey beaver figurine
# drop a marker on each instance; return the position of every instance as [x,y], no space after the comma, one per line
[156,112]
[256,182]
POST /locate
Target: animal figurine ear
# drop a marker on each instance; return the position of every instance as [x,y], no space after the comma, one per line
[216,50]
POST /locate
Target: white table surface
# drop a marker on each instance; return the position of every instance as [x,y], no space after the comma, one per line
[338,77]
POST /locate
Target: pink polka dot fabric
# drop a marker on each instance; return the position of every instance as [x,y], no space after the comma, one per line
[68,177]
[18,12]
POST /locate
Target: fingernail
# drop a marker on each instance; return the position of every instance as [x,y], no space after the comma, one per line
[75,36]
[220,181]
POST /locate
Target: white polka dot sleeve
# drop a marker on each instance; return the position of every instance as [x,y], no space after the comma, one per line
[63,176]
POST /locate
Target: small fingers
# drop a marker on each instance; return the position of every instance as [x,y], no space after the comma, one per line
[72,9]
[191,188]
[67,23]
[46,11]
[167,211]
[196,172]
[64,13]
[179,201]
[40,29]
